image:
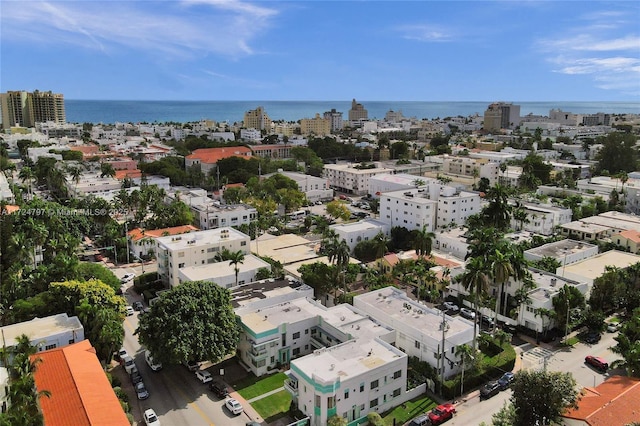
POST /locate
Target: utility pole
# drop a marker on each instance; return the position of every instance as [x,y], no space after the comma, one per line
[444,326]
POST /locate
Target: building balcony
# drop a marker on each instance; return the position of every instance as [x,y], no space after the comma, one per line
[291,386]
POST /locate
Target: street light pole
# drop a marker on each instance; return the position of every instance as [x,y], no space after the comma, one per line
[444,327]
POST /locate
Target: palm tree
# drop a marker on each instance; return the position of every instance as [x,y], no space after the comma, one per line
[75,174]
[466,354]
[236,258]
[498,212]
[27,174]
[380,246]
[501,271]
[423,241]
[476,281]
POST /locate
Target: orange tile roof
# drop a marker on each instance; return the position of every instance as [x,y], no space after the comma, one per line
[213,155]
[631,235]
[121,174]
[80,391]
[136,234]
[86,149]
[616,401]
[234,185]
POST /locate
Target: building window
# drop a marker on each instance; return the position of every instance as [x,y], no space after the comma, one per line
[296,351]
[180,265]
[306,331]
[373,403]
[331,401]
[318,401]
[361,387]
[53,346]
[243,243]
[374,384]
[416,344]
[346,394]
[396,392]
[296,335]
[397,374]
[181,254]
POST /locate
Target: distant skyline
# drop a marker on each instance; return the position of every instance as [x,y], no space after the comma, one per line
[510,51]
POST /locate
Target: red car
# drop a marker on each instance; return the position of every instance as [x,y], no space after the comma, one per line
[441,413]
[597,362]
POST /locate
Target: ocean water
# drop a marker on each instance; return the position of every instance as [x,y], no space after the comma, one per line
[109,112]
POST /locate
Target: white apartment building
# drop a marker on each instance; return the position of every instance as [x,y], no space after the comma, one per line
[564,251]
[253,135]
[5,190]
[543,218]
[363,230]
[380,184]
[548,287]
[195,248]
[431,206]
[341,360]
[211,214]
[418,328]
[92,184]
[315,188]
[474,167]
[350,178]
[223,273]
[55,331]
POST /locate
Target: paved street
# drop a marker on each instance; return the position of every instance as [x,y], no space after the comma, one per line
[474,411]
[176,395]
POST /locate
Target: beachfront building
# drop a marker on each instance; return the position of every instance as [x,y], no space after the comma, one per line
[317,126]
[25,109]
[335,120]
[257,119]
[501,115]
[195,248]
[357,112]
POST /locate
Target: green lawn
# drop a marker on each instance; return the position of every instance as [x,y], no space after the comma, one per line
[572,341]
[255,388]
[273,405]
[410,409]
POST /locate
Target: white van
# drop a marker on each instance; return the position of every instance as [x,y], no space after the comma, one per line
[128,363]
[154,365]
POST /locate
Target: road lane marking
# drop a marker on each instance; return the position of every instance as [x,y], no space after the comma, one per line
[194,404]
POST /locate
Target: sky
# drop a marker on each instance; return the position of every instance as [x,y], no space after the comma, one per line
[323,50]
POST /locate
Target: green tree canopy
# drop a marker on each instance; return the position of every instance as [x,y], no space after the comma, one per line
[338,210]
[618,153]
[540,397]
[193,321]
[628,345]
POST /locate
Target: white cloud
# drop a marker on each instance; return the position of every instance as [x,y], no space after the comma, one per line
[180,30]
[425,32]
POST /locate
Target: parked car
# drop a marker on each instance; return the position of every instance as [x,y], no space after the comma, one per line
[597,362]
[441,413]
[127,277]
[137,305]
[128,363]
[154,365]
[118,356]
[219,389]
[450,306]
[421,420]
[467,313]
[505,380]
[141,391]
[135,377]
[150,418]
[204,376]
[487,320]
[129,311]
[191,365]
[489,390]
[590,337]
[233,406]
[613,327]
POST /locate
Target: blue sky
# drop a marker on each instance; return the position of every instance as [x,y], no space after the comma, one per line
[323,50]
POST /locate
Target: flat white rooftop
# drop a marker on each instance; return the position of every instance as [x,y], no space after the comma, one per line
[360,226]
[212,271]
[559,249]
[286,249]
[579,226]
[39,328]
[201,238]
[595,266]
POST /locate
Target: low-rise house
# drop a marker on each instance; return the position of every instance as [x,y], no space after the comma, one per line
[80,393]
[315,188]
[542,219]
[51,332]
[207,158]
[630,239]
[564,251]
[223,273]
[142,241]
[616,401]
[363,230]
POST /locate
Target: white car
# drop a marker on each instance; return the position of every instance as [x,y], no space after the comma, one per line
[128,363]
[141,391]
[451,306]
[129,311]
[150,418]
[127,277]
[467,313]
[612,327]
[234,406]
[204,376]
[154,365]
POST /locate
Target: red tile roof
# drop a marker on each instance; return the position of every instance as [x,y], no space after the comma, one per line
[616,401]
[136,234]
[121,174]
[631,235]
[80,391]
[213,155]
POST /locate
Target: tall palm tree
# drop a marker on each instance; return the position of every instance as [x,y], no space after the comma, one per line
[236,258]
[423,242]
[340,252]
[75,174]
[498,212]
[466,354]
[27,174]
[380,246]
[476,281]
[501,271]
